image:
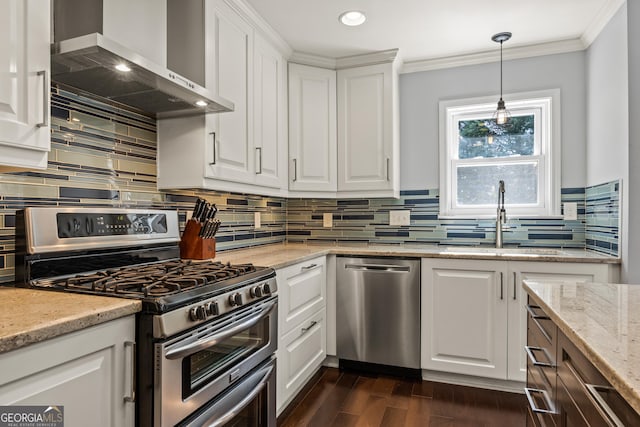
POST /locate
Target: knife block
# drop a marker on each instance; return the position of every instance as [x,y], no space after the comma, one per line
[193,246]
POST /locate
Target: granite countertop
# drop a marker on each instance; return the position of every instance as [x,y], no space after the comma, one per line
[283,254]
[603,321]
[28,316]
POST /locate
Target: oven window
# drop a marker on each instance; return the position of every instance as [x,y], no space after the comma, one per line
[200,367]
[252,415]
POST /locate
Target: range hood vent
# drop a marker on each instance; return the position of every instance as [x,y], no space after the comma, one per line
[87,63]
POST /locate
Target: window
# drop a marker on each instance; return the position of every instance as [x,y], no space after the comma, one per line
[476,153]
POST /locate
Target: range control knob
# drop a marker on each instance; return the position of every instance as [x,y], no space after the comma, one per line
[212,309]
[256,292]
[266,289]
[197,313]
[235,299]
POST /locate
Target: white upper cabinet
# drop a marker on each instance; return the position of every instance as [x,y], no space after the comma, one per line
[343,128]
[312,129]
[239,151]
[230,75]
[367,129]
[269,115]
[24,84]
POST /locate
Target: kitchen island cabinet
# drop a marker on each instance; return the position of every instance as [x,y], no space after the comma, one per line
[474,319]
[89,372]
[25,138]
[583,338]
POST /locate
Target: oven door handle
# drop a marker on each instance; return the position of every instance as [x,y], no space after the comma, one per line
[219,420]
[211,340]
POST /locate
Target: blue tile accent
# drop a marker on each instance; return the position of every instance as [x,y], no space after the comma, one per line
[602,212]
[414,192]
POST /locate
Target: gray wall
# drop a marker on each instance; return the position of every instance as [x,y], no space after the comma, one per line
[607,74]
[421,92]
[631,266]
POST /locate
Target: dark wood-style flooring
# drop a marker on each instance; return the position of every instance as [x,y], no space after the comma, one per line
[343,398]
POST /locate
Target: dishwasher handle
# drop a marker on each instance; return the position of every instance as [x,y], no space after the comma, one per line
[379,267]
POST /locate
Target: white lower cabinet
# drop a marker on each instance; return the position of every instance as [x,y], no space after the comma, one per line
[474,317]
[302,333]
[300,354]
[89,372]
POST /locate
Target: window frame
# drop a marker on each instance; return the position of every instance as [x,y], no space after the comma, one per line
[547,148]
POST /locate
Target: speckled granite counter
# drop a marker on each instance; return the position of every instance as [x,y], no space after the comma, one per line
[29,316]
[603,321]
[284,254]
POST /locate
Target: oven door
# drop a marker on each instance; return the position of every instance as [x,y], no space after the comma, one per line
[249,403]
[195,367]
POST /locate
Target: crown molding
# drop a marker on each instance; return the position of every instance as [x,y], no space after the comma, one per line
[599,22]
[312,60]
[540,49]
[381,57]
[251,15]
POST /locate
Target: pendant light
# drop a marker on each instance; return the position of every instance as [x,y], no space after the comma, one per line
[502,114]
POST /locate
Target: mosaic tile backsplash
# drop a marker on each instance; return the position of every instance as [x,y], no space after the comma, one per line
[106,156]
[102,155]
[366,221]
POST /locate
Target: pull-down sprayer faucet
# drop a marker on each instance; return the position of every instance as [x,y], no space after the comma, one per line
[501,217]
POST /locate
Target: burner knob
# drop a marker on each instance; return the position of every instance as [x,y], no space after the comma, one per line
[256,292]
[197,313]
[235,299]
[212,309]
[266,289]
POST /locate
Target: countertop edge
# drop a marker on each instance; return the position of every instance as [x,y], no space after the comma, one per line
[617,380]
[65,325]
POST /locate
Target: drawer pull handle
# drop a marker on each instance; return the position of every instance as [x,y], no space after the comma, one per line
[131,398]
[308,267]
[529,391]
[532,357]
[311,325]
[501,286]
[593,391]
[531,308]
[515,290]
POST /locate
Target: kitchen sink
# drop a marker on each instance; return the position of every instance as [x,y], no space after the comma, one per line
[470,250]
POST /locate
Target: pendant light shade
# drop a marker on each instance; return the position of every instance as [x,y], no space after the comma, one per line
[501,115]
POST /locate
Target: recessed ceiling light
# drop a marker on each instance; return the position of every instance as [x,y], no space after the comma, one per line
[352,18]
[201,103]
[123,67]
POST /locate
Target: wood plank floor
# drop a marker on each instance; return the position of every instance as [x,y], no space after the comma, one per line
[343,398]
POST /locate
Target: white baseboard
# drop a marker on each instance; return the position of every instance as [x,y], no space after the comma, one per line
[471,381]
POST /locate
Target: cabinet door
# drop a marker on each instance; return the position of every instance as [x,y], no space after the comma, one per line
[87,375]
[300,354]
[312,128]
[464,321]
[302,292]
[269,119]
[230,75]
[24,83]
[517,329]
[366,133]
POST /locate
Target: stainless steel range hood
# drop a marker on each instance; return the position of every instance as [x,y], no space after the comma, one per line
[88,62]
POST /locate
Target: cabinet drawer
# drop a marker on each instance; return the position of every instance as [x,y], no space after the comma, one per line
[300,353]
[301,290]
[539,323]
[599,403]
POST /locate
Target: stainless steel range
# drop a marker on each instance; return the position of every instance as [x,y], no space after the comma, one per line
[207,333]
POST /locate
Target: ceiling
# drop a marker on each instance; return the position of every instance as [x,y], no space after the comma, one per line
[432,29]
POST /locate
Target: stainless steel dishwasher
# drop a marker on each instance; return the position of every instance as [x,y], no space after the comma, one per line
[378,311]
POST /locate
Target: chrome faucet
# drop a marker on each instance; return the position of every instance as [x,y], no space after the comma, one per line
[501,217]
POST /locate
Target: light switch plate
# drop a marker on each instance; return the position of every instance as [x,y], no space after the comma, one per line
[327,220]
[256,220]
[571,211]
[400,217]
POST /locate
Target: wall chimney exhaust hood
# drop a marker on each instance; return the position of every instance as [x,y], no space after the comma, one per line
[92,62]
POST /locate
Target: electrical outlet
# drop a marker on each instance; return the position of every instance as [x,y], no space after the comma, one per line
[256,220]
[571,211]
[327,220]
[400,217]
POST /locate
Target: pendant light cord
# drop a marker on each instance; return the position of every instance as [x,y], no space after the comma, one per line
[501,69]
